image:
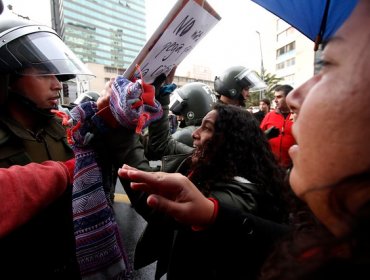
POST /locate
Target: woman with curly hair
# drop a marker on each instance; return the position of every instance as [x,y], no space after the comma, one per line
[229,146]
[231,163]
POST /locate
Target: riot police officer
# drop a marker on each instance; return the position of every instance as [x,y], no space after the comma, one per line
[34,62]
[235,83]
[190,103]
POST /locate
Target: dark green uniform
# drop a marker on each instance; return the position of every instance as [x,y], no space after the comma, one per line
[45,246]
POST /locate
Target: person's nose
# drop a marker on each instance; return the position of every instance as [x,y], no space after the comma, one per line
[246,93]
[195,134]
[296,98]
[55,83]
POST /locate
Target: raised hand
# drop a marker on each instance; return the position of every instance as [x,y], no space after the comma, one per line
[173,194]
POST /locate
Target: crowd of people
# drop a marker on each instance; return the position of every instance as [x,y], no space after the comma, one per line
[284,197]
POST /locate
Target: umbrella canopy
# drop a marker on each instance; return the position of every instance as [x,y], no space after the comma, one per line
[316,19]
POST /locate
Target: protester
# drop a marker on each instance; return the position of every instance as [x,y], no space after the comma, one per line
[278,126]
[330,168]
[231,162]
[264,108]
[228,138]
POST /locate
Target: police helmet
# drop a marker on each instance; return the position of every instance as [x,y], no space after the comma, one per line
[236,78]
[25,44]
[193,101]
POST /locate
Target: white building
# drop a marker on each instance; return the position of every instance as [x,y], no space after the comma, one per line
[286,52]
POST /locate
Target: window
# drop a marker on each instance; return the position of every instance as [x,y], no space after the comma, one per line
[287,63]
[285,49]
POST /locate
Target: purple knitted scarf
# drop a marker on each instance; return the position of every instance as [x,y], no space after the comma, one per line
[98,243]
[133,104]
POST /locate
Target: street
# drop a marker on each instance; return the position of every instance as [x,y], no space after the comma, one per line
[131,225]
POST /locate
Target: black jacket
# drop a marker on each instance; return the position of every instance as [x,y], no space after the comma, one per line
[226,250]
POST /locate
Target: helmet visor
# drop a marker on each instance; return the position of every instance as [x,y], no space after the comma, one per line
[176,103]
[249,79]
[46,53]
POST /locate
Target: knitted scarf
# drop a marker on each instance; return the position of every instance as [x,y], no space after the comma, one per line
[99,249]
[133,104]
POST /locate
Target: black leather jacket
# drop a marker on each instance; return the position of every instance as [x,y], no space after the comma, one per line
[179,251]
[210,254]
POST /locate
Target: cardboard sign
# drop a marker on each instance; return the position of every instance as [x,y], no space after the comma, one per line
[186,24]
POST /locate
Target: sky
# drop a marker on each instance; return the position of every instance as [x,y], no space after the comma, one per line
[233,40]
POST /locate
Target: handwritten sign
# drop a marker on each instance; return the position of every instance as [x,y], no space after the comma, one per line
[175,38]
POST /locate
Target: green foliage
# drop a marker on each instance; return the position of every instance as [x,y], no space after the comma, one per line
[271,81]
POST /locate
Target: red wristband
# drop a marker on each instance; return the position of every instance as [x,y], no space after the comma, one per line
[215,210]
[213,218]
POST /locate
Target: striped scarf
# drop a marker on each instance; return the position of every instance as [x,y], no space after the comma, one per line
[133,104]
[99,248]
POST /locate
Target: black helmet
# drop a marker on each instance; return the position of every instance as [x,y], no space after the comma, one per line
[28,45]
[193,101]
[234,79]
[24,44]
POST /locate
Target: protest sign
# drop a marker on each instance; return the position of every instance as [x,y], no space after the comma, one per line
[186,24]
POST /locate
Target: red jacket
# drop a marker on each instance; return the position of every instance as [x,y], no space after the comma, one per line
[280,144]
[25,190]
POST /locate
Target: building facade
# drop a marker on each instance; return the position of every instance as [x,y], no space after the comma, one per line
[288,53]
[109,33]
[294,55]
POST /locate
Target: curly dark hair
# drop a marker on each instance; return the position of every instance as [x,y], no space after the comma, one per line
[315,253]
[239,148]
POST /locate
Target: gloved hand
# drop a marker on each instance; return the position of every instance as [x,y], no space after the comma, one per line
[158,83]
[272,132]
[164,99]
[163,91]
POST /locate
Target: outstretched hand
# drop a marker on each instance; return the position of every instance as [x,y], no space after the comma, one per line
[173,194]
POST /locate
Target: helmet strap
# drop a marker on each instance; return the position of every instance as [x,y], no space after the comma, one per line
[31,106]
[4,82]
